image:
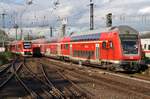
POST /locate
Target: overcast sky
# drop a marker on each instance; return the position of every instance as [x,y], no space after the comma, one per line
[45,13]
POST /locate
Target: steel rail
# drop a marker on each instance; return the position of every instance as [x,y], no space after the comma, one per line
[53,87]
[50,86]
[30,91]
[81,91]
[45,83]
[10,76]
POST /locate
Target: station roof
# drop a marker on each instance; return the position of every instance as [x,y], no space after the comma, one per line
[145,35]
[124,29]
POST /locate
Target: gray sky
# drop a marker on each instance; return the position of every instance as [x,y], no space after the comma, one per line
[45,13]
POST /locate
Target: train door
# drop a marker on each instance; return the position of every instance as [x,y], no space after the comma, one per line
[97,51]
[58,49]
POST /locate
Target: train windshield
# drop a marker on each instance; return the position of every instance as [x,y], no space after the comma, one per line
[129,44]
[27,45]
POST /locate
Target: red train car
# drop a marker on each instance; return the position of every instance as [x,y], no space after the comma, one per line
[53,48]
[21,47]
[65,48]
[118,47]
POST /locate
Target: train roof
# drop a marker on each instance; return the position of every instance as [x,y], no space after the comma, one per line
[39,41]
[87,35]
[65,39]
[19,41]
[90,32]
[95,34]
[122,30]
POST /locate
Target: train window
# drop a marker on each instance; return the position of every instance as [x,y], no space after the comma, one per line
[27,45]
[61,46]
[104,44]
[144,46]
[66,46]
[79,53]
[110,44]
[82,53]
[73,53]
[148,47]
[76,53]
[93,53]
[85,53]
[89,54]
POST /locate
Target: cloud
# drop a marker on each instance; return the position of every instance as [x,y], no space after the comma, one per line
[77,11]
[64,11]
[145,10]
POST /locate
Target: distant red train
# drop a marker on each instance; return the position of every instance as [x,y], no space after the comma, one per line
[118,48]
[21,47]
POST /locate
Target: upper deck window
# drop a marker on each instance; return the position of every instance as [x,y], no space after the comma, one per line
[87,37]
[144,46]
[148,47]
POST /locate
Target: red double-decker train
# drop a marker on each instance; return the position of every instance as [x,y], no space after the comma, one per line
[117,47]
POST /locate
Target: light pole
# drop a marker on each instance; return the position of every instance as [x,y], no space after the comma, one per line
[64,23]
[16,28]
[28,2]
[91,15]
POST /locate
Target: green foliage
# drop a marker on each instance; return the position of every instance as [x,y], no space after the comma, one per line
[5,57]
[146,59]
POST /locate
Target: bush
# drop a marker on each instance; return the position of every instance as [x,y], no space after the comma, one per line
[5,57]
[146,59]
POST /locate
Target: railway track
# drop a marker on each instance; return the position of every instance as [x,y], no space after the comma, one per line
[107,80]
[129,75]
[64,86]
[60,87]
[53,81]
[12,73]
[39,85]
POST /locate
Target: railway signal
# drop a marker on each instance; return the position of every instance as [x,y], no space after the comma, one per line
[109,20]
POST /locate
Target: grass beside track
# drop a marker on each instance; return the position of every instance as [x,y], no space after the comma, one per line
[5,57]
